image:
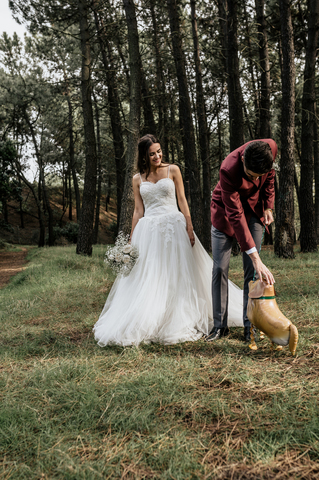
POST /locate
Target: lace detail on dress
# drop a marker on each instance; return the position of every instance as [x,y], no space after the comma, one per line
[166,224]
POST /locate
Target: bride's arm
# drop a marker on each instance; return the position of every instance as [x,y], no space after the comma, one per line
[182,202]
[139,206]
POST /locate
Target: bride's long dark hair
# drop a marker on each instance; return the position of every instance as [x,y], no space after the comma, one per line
[143,161]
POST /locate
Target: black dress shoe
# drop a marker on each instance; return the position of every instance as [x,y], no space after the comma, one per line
[217,333]
[247,334]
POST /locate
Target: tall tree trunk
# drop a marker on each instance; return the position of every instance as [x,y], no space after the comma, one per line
[42,184]
[149,122]
[70,195]
[84,243]
[284,238]
[186,121]
[264,113]
[162,131]
[254,89]
[41,241]
[63,187]
[316,171]
[66,185]
[21,207]
[135,115]
[308,237]
[114,108]
[172,122]
[72,161]
[99,173]
[235,98]
[203,134]
[49,210]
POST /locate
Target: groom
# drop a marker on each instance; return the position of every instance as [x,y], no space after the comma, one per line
[241,205]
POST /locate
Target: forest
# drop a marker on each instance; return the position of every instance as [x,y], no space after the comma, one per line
[92,76]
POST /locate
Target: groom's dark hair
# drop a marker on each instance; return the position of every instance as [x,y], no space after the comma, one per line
[258,157]
[143,161]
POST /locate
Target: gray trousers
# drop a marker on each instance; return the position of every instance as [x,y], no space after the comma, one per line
[221,248]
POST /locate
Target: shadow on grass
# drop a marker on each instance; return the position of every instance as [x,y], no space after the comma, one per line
[37,344]
[232,346]
[75,340]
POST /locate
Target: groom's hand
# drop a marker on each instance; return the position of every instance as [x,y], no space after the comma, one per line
[262,271]
[269,218]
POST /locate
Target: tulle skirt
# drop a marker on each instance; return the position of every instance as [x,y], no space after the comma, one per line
[166,297]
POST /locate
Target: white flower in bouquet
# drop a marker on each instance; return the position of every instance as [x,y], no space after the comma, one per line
[122,257]
[126,258]
[127,248]
[118,257]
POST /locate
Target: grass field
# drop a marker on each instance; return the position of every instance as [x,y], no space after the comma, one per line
[71,410]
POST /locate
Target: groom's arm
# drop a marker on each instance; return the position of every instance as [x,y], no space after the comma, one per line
[235,212]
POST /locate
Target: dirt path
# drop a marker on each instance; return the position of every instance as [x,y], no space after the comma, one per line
[10,264]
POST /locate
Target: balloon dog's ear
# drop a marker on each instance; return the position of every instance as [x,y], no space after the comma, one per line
[256,289]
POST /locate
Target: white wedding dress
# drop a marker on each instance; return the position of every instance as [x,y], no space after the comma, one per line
[166,297]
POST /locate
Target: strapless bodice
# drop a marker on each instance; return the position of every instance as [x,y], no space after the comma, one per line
[159,198]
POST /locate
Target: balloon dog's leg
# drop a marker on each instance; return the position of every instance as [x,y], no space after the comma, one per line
[274,346]
[293,339]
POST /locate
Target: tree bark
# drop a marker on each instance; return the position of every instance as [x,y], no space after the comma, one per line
[84,243]
[20,205]
[99,173]
[41,241]
[264,111]
[160,86]
[308,237]
[149,122]
[235,98]
[114,108]
[70,196]
[316,174]
[254,89]
[203,134]
[186,121]
[72,161]
[42,185]
[284,238]
[134,118]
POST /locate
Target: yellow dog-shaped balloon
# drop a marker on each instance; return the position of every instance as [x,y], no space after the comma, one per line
[264,314]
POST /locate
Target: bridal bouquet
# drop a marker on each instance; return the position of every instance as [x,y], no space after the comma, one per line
[122,257]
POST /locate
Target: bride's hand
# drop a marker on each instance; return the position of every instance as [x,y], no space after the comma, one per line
[191,235]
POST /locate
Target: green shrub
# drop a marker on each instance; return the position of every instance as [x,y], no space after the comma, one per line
[5,226]
[70,232]
[57,233]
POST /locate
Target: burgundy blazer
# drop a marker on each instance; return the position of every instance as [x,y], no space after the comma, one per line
[236,197]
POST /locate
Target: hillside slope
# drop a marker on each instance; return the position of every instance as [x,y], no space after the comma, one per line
[14,233]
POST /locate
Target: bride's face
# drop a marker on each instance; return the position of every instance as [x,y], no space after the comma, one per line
[155,155]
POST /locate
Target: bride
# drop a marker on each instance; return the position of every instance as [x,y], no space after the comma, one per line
[166,297]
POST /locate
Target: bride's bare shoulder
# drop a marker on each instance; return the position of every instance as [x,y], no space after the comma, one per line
[136,180]
[175,170]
